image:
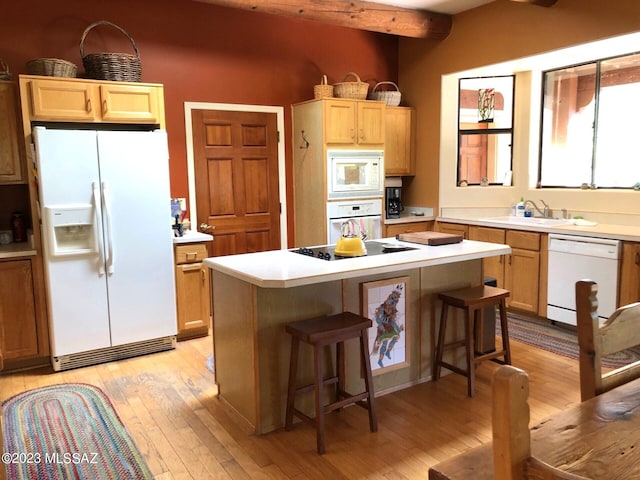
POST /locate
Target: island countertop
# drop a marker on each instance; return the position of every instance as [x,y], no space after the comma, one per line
[285,268]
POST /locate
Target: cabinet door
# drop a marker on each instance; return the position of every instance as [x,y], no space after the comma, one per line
[521,278]
[399,157]
[10,151]
[192,291]
[340,122]
[63,100]
[491,266]
[129,103]
[629,274]
[371,123]
[17,311]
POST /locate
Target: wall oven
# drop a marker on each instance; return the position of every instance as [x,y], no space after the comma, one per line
[367,213]
[355,174]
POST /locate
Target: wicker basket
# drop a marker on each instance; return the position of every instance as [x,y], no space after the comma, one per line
[323,90]
[357,90]
[391,97]
[51,67]
[123,67]
[4,71]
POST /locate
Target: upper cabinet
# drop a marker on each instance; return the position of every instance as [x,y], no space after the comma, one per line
[399,151]
[354,122]
[77,100]
[11,153]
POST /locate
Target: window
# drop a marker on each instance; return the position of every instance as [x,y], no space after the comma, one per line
[590,121]
[485,130]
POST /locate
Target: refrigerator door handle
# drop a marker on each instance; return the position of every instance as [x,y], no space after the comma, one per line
[97,230]
[106,200]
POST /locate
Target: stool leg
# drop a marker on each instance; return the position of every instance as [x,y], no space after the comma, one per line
[368,380]
[505,332]
[291,390]
[318,355]
[440,345]
[469,320]
[340,370]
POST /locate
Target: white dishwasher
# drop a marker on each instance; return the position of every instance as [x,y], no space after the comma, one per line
[573,258]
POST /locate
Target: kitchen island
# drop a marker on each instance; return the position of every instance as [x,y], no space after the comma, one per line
[256,294]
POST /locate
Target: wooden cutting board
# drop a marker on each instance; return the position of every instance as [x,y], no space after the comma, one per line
[429,238]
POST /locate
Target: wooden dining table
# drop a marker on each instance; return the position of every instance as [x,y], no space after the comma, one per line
[598,439]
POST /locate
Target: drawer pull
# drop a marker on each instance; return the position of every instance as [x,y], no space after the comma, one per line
[637,258]
[88,105]
[192,255]
[191,268]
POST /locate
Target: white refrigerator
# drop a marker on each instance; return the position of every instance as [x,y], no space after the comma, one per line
[108,251]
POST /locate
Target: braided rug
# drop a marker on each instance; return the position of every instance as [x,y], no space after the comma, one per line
[67,431]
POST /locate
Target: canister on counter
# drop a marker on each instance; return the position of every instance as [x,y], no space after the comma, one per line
[18,227]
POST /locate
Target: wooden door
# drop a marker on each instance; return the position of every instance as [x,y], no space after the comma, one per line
[473,157]
[236,179]
[629,274]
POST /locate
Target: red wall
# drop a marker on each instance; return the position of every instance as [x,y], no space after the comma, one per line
[201,53]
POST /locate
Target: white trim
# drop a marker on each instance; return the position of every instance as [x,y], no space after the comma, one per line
[236,107]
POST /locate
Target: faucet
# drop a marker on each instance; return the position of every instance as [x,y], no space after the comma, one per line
[545,212]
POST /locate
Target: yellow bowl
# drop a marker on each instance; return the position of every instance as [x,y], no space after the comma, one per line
[350,247]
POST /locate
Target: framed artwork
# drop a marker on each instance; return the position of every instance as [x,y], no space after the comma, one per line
[385,303]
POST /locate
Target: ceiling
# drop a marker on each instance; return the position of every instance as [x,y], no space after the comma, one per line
[450,7]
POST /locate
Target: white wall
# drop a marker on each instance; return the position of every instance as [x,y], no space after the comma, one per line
[601,205]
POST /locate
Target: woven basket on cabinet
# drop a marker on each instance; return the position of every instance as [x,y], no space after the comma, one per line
[392,98]
[323,90]
[356,90]
[51,67]
[123,67]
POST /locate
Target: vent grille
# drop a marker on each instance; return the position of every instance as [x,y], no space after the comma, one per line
[109,354]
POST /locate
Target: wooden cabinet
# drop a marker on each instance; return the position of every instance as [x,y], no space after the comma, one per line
[522,270]
[399,151]
[393,229]
[629,290]
[453,228]
[354,122]
[491,266]
[18,325]
[74,100]
[192,290]
[11,151]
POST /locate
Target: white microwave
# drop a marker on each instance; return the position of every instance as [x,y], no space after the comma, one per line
[355,173]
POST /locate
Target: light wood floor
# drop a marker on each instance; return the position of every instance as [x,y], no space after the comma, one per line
[168,402]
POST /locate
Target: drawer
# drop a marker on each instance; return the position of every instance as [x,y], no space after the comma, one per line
[410,227]
[191,253]
[524,240]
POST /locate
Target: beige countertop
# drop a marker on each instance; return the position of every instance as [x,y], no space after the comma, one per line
[15,250]
[285,268]
[629,233]
[412,215]
[191,236]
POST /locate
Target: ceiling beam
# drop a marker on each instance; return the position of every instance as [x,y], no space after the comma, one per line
[358,14]
[540,3]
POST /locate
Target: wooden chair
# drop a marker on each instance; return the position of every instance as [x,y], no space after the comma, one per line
[512,458]
[619,332]
[472,300]
[319,333]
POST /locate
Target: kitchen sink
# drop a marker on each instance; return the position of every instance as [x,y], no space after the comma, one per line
[528,221]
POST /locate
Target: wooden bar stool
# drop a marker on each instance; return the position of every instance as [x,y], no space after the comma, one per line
[320,332]
[472,300]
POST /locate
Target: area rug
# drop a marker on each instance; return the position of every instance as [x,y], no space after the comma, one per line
[559,339]
[68,431]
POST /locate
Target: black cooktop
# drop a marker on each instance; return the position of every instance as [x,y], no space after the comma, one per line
[327,252]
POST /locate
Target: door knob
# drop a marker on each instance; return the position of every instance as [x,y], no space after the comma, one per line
[205,227]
